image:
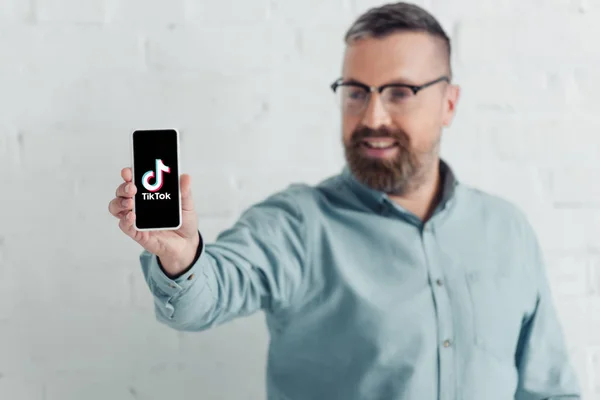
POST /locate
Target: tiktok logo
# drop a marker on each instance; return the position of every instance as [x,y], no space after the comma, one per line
[158,182]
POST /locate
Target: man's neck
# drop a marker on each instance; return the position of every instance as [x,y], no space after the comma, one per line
[423,200]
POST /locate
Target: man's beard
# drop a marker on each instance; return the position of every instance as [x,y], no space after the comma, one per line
[397,175]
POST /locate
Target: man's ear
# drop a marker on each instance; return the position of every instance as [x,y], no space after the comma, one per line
[451,101]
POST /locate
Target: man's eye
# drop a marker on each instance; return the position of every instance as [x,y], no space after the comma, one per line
[400,93]
[356,94]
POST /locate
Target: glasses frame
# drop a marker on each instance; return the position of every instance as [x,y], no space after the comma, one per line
[415,89]
[370,89]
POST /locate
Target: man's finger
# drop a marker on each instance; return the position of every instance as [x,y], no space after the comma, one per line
[126,225]
[187,203]
[126,174]
[126,189]
[120,205]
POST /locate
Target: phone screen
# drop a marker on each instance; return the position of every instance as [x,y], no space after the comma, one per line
[157,202]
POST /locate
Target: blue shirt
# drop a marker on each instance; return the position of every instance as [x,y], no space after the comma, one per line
[365,301]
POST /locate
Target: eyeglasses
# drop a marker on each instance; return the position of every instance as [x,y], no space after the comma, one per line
[398,98]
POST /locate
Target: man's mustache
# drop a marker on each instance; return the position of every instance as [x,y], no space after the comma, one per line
[365,132]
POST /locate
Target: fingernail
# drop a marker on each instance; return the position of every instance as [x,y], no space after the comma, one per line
[127,188]
[123,203]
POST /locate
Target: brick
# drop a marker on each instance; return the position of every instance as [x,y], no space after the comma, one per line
[361,6]
[73,385]
[16,355]
[140,94]
[579,358]
[585,86]
[314,14]
[78,11]
[569,274]
[265,138]
[206,380]
[20,104]
[45,209]
[568,229]
[104,342]
[318,55]
[75,248]
[86,148]
[318,49]
[16,387]
[571,315]
[2,245]
[571,187]
[304,144]
[553,38]
[229,51]
[549,142]
[256,128]
[594,273]
[9,287]
[514,89]
[65,201]
[192,102]
[213,193]
[15,11]
[64,52]
[465,146]
[255,12]
[256,184]
[197,350]
[141,296]
[592,319]
[222,351]
[94,289]
[65,274]
[145,14]
[10,150]
[510,8]
[594,372]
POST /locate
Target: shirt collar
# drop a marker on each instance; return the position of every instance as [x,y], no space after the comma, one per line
[375,198]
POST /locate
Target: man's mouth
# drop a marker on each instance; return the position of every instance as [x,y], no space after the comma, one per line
[379,143]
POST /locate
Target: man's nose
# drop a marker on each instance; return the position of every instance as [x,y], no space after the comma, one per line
[375,114]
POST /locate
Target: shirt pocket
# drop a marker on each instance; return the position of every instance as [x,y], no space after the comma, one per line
[496,319]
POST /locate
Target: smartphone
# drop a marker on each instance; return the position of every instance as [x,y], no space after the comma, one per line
[155,167]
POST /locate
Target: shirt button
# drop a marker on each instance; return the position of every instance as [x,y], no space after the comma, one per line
[439,282]
[171,285]
[447,343]
[191,277]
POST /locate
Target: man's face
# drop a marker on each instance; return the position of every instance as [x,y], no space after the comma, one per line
[410,128]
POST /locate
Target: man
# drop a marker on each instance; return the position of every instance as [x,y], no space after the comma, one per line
[391,280]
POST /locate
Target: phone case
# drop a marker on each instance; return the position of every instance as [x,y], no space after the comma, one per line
[178,181]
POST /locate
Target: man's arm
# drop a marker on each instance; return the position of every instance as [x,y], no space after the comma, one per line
[545,370]
[256,264]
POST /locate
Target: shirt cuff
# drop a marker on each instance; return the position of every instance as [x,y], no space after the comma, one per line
[174,286]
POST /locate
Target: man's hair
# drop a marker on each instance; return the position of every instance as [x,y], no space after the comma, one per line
[398,17]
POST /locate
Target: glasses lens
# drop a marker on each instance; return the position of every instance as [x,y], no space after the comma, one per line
[352,98]
[397,94]
[398,98]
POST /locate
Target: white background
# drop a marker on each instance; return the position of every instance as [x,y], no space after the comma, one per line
[246,82]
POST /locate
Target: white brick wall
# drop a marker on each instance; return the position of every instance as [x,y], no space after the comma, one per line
[246,82]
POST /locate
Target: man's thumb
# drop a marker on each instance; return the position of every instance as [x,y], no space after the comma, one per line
[187,203]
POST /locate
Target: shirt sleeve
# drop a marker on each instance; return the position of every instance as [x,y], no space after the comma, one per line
[544,365]
[257,264]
